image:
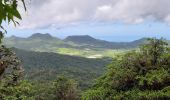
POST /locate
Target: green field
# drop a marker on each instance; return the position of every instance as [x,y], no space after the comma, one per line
[88,53]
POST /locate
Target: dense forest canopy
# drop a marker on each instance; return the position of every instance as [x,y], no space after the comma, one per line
[45,67]
[140,74]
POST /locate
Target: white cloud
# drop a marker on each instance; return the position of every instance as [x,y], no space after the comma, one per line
[43,13]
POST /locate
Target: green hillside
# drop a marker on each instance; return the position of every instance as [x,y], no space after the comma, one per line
[85,46]
[138,74]
[43,66]
[88,41]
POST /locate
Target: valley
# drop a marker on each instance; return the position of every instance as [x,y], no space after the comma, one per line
[45,67]
[84,59]
[84,50]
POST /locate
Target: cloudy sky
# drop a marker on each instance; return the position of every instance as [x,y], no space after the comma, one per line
[113,20]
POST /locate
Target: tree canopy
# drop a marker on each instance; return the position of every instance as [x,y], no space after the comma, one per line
[10,68]
[8,13]
[140,74]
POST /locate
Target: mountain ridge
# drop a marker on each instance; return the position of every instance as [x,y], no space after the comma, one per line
[72,45]
[45,36]
[48,35]
[78,45]
[88,40]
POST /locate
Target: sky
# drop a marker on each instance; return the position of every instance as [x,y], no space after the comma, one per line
[112,20]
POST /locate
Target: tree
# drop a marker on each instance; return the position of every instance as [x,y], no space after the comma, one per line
[65,89]
[140,74]
[10,68]
[21,91]
[8,12]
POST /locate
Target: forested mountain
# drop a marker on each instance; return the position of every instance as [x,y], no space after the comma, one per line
[43,66]
[42,36]
[40,42]
[36,42]
[89,41]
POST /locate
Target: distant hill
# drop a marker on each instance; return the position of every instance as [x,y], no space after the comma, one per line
[80,45]
[81,39]
[42,36]
[89,41]
[36,42]
[43,66]
[39,41]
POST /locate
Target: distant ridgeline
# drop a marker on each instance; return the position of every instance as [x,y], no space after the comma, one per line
[91,42]
[46,41]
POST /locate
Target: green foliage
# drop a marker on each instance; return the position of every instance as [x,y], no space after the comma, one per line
[8,12]
[96,94]
[45,67]
[20,91]
[10,75]
[11,88]
[61,89]
[66,89]
[10,67]
[140,74]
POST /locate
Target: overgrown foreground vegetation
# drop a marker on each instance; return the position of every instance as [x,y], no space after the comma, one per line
[139,74]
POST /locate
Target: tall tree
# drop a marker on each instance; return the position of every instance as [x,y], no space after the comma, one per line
[10,89]
[65,89]
[8,13]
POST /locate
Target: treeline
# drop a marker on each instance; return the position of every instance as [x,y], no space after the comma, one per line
[142,74]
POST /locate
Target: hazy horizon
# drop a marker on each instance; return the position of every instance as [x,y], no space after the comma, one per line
[110,39]
[106,38]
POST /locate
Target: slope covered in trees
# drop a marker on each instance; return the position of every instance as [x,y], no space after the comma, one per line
[143,74]
[43,66]
[139,74]
[88,41]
